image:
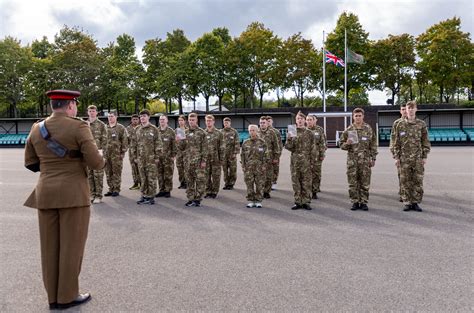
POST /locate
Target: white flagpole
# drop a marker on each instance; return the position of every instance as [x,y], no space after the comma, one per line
[324,75]
[345,77]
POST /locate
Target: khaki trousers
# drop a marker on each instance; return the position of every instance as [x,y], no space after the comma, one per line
[63,235]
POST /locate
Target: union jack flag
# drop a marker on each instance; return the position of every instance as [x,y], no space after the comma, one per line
[331,58]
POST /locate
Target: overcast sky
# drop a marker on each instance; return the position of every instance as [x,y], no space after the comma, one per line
[147,19]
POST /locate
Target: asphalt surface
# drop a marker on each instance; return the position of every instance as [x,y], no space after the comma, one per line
[225,257]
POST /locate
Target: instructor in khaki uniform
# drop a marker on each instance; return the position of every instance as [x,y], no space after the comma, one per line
[61,148]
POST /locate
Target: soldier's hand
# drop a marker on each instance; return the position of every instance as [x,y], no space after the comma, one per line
[397,162]
[321,158]
[101,152]
[122,155]
[157,161]
[372,163]
[349,141]
[136,161]
[275,161]
[203,164]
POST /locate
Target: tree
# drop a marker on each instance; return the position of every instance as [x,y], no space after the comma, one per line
[446,53]
[393,60]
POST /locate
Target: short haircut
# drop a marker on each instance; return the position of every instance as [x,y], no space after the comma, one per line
[210,117]
[114,112]
[59,103]
[358,110]
[226,119]
[300,114]
[145,112]
[252,126]
[163,115]
[135,116]
[192,115]
[312,116]
[403,105]
[263,118]
[269,117]
[182,117]
[92,107]
[411,104]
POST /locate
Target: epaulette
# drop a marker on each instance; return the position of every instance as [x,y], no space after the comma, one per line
[78,119]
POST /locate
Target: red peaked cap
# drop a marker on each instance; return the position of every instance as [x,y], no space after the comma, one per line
[61,94]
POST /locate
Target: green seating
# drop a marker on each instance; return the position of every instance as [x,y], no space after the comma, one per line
[446,134]
[13,139]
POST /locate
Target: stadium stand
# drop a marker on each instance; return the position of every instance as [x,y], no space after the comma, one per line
[12,139]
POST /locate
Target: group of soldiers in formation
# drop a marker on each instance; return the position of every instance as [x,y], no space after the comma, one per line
[202,154]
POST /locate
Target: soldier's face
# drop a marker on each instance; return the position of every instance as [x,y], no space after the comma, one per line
[358,118]
[226,124]
[92,113]
[135,121]
[270,122]
[253,132]
[309,121]
[263,124]
[112,118]
[209,122]
[144,118]
[163,121]
[300,121]
[192,121]
[72,109]
[411,111]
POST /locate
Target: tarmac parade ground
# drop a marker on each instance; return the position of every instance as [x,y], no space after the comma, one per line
[226,257]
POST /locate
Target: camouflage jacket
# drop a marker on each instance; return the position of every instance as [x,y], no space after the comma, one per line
[148,144]
[231,141]
[254,154]
[271,141]
[319,141]
[411,140]
[280,142]
[392,134]
[117,140]
[99,132]
[214,145]
[168,141]
[302,146]
[132,134]
[194,146]
[365,149]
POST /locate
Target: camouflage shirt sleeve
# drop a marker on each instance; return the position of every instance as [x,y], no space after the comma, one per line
[236,142]
[343,141]
[425,142]
[124,139]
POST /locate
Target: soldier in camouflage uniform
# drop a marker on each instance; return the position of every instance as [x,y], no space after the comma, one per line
[410,150]
[302,147]
[194,148]
[148,147]
[360,159]
[403,112]
[117,146]
[254,157]
[319,153]
[167,155]
[271,140]
[215,155]
[180,155]
[231,149]
[131,130]
[276,167]
[99,132]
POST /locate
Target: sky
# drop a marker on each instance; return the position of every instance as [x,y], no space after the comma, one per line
[105,20]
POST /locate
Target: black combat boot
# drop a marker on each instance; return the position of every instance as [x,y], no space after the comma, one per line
[306,206]
[407,207]
[416,207]
[296,207]
[355,206]
[266,195]
[364,207]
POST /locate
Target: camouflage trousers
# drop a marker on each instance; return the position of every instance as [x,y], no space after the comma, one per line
[316,176]
[254,180]
[135,171]
[229,167]
[411,181]
[180,167]
[358,177]
[165,174]
[276,172]
[195,180]
[148,173]
[113,172]
[213,176]
[301,179]
[96,182]
[268,176]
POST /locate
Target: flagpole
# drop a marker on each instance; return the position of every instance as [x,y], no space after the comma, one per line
[345,76]
[324,74]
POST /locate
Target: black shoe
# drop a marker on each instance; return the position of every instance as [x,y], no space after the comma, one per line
[355,206]
[115,194]
[142,199]
[230,187]
[407,207]
[315,195]
[108,194]
[296,207]
[53,306]
[160,194]
[81,299]
[167,194]
[150,201]
[307,207]
[181,186]
[416,207]
[400,200]
[185,186]
[364,207]
[189,203]
[197,202]
[266,195]
[225,188]
[213,195]
[207,196]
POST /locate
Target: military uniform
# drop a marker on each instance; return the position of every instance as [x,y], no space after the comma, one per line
[131,131]
[271,140]
[411,146]
[392,139]
[62,199]
[276,167]
[180,165]
[359,158]
[319,153]
[254,157]
[194,149]
[302,148]
[117,146]
[214,156]
[96,177]
[148,147]
[231,149]
[166,163]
